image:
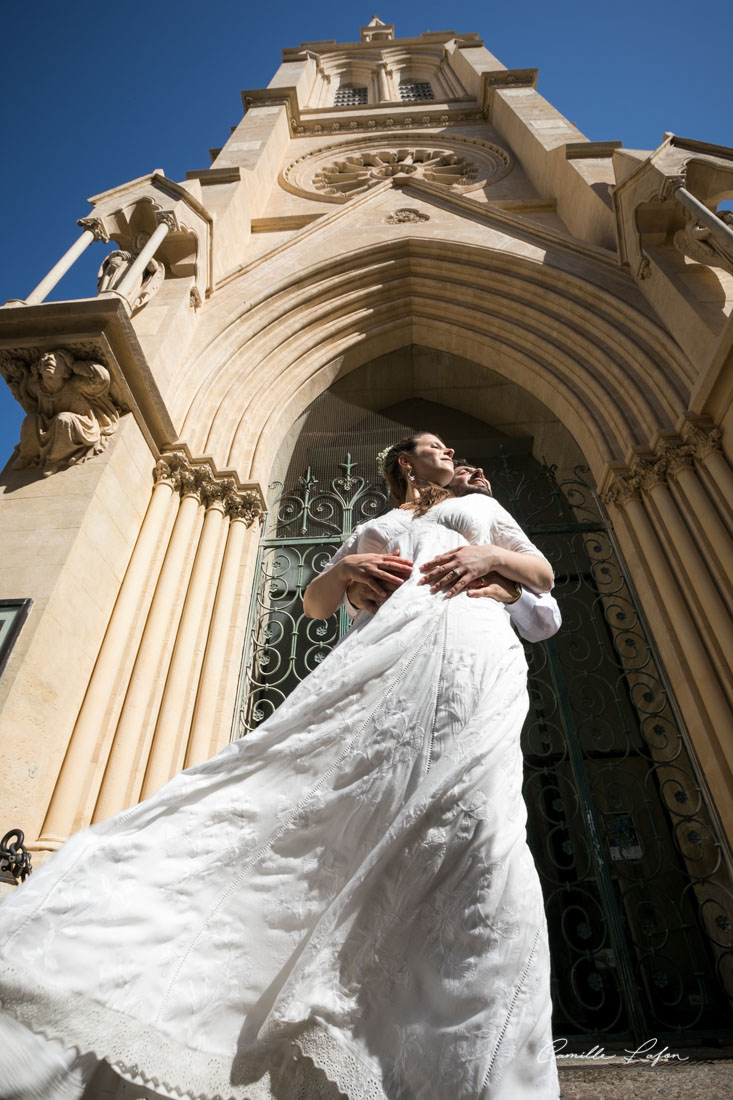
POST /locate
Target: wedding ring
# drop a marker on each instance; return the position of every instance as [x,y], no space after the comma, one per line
[455,573]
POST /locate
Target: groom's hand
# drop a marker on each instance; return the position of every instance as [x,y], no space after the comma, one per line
[495,587]
[377,574]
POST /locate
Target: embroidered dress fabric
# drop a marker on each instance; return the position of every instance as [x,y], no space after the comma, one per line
[341,904]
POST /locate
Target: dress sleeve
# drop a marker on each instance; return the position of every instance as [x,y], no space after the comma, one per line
[535,617]
[350,546]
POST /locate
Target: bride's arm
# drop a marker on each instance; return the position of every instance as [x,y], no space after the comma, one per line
[530,569]
[378,571]
[496,543]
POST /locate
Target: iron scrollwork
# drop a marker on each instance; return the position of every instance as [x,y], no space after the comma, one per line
[15,859]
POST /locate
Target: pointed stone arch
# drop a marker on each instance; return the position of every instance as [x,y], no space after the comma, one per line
[593,355]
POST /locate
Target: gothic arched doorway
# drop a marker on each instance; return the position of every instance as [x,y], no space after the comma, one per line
[636,890]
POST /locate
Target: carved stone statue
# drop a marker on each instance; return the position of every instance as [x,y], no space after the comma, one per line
[71,414]
[701,244]
[118,263]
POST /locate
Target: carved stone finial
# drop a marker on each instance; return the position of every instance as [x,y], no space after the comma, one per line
[70,413]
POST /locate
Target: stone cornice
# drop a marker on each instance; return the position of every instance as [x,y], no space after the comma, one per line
[491,82]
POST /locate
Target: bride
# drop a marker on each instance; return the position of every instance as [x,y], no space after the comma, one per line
[341,904]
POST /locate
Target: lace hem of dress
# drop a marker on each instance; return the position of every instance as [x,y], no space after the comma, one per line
[340,1066]
[142,1055]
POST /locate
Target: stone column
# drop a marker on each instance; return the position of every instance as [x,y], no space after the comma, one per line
[164,760]
[74,784]
[386,92]
[93,231]
[719,629]
[706,448]
[242,511]
[708,527]
[134,274]
[625,495]
[121,784]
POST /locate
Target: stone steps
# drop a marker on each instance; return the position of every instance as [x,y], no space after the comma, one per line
[612,1079]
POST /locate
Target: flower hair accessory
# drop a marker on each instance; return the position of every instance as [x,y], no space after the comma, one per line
[381,461]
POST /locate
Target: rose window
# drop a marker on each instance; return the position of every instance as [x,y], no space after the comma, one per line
[361,170]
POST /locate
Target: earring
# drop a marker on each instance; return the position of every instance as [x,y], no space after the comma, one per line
[411,475]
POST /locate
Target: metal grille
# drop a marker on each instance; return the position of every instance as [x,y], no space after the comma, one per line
[638,893]
[346,96]
[420,90]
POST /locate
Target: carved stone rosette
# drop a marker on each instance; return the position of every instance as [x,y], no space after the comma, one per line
[199,478]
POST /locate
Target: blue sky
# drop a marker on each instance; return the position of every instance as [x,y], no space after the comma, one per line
[94,95]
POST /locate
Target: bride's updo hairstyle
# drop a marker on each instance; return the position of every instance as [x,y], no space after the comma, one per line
[396,477]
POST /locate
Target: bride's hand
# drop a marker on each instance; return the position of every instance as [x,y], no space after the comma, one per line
[381,573]
[455,570]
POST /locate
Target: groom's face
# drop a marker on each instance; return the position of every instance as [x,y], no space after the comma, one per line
[470,479]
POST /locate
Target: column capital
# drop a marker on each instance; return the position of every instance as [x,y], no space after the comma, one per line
[244,506]
[95,226]
[623,488]
[704,440]
[167,217]
[199,477]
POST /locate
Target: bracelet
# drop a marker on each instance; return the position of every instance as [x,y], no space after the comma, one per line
[518,589]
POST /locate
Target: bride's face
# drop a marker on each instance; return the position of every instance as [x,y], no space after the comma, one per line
[431,460]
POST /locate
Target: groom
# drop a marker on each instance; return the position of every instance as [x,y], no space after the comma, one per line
[534,617]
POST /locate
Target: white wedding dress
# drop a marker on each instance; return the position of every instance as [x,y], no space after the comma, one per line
[342,903]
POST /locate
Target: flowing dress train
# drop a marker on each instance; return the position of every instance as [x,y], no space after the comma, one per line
[341,904]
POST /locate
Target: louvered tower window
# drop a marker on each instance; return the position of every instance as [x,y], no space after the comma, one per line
[412,92]
[348,96]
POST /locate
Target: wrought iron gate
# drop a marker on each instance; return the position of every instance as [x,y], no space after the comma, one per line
[636,882]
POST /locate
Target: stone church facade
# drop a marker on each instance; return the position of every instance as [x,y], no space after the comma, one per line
[394,225]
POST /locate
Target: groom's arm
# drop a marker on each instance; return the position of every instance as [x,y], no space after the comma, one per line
[534,617]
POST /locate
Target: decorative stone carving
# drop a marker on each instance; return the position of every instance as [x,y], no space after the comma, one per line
[96,225]
[167,217]
[623,488]
[700,243]
[70,413]
[117,263]
[672,184]
[246,506]
[407,214]
[358,172]
[195,298]
[199,478]
[674,455]
[335,173]
[705,440]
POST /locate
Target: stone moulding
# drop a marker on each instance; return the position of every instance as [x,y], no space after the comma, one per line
[336,172]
